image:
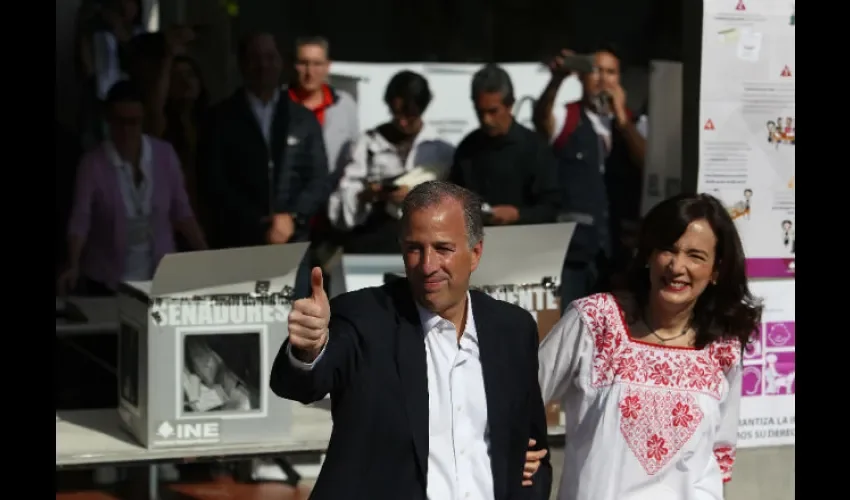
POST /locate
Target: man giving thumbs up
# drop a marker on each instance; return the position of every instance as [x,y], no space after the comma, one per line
[434,386]
[308,322]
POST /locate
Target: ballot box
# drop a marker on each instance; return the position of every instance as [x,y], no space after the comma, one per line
[521,265]
[197,344]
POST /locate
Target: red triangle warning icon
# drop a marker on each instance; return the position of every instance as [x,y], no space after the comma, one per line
[740,5]
[786,71]
[709,125]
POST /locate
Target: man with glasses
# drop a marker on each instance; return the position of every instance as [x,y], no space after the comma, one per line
[387,162]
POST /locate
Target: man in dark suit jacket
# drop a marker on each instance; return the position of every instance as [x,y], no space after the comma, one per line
[420,410]
[263,166]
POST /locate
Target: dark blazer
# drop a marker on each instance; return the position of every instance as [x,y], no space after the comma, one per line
[238,185]
[374,368]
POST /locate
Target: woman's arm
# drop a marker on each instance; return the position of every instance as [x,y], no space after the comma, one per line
[727,436]
[561,354]
[718,464]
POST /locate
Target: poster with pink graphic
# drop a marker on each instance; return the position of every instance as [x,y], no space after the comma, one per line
[769,371]
[747,127]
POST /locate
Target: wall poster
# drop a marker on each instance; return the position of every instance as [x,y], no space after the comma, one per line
[768,383]
[748,126]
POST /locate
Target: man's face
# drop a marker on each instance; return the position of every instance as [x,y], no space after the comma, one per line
[262,65]
[312,66]
[494,115]
[405,120]
[125,126]
[437,256]
[605,74]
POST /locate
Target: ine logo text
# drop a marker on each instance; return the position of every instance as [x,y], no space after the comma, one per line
[183,433]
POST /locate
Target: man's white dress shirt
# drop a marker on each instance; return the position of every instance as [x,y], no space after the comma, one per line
[458,430]
[138,261]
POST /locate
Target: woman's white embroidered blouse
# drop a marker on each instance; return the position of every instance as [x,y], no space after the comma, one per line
[643,421]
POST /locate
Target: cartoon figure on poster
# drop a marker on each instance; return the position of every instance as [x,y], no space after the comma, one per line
[741,209]
[220,373]
[782,131]
[789,236]
[751,381]
[775,381]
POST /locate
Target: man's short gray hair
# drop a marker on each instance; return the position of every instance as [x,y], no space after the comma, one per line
[319,41]
[431,193]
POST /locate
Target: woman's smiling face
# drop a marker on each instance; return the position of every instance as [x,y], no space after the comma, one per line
[680,274]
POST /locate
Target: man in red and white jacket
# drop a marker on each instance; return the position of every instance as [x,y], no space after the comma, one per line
[600,152]
[557,124]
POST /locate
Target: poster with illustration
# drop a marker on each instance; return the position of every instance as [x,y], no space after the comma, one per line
[769,376]
[748,126]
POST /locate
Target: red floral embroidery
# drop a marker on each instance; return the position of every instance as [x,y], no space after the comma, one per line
[630,407]
[604,341]
[628,369]
[725,355]
[660,373]
[695,377]
[659,413]
[725,456]
[655,449]
[682,415]
[617,358]
[660,422]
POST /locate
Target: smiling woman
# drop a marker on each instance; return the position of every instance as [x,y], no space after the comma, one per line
[657,375]
[692,241]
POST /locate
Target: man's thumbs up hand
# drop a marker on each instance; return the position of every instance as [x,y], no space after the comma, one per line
[308,321]
[318,285]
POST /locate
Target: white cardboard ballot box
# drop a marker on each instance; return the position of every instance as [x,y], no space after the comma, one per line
[197,344]
[523,255]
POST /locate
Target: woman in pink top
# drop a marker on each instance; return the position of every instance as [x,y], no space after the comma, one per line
[650,384]
[128,202]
